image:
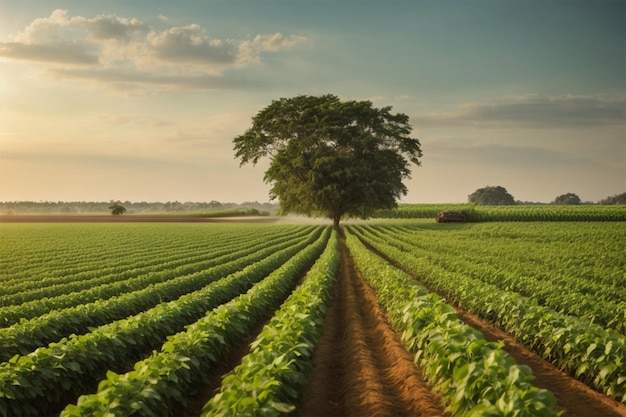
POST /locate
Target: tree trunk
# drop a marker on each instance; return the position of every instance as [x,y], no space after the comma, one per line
[336,219]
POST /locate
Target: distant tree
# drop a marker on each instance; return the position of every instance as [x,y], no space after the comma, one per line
[491,196]
[329,157]
[117,209]
[614,199]
[567,199]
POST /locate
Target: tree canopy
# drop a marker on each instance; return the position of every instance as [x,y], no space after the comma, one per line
[567,199]
[117,209]
[615,199]
[491,196]
[331,158]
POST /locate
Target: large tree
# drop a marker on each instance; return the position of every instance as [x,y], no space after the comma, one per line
[491,196]
[567,199]
[614,199]
[329,157]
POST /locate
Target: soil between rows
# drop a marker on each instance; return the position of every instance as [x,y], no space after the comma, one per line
[574,399]
[361,368]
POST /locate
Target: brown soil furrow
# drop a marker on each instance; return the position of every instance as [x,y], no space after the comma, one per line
[573,397]
[366,390]
[323,396]
[373,374]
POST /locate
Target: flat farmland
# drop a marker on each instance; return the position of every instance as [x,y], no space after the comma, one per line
[391,317]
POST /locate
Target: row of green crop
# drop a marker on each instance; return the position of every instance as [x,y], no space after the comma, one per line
[39,252]
[110,285]
[135,261]
[59,277]
[534,270]
[27,310]
[475,377]
[475,213]
[589,352]
[25,336]
[270,379]
[35,382]
[161,383]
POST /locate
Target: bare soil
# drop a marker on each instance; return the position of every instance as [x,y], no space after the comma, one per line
[573,397]
[361,367]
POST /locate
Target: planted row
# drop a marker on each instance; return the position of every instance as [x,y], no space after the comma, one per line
[591,353]
[132,263]
[546,212]
[48,252]
[47,376]
[522,266]
[23,337]
[15,314]
[135,265]
[270,379]
[476,377]
[162,382]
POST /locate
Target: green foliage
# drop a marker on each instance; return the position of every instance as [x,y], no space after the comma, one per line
[270,379]
[331,158]
[615,199]
[142,293]
[117,209]
[515,213]
[72,364]
[490,269]
[476,377]
[491,196]
[567,199]
[161,382]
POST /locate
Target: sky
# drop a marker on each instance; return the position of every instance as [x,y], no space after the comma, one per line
[140,100]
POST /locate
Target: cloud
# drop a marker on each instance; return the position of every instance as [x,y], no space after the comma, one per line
[116,51]
[191,44]
[112,27]
[135,82]
[461,152]
[61,52]
[59,27]
[130,119]
[533,111]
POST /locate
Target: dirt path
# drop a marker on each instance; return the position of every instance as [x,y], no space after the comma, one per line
[361,367]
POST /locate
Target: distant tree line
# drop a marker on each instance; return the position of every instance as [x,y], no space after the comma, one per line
[102,207]
[499,196]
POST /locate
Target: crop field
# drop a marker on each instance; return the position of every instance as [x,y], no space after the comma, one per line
[515,213]
[389,317]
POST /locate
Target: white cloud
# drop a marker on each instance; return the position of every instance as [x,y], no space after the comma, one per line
[59,27]
[118,51]
[191,44]
[533,111]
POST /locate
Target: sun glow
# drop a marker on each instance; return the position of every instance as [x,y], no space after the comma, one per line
[4,84]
